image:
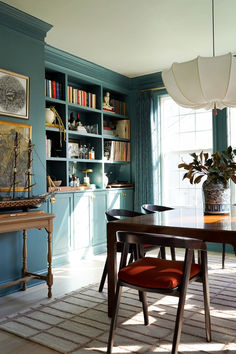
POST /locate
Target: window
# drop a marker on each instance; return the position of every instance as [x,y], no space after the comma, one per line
[182,131]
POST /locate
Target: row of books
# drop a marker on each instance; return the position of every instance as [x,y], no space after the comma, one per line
[119,107]
[117,151]
[81,97]
[53,89]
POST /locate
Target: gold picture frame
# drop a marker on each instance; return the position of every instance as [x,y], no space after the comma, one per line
[14,94]
[7,137]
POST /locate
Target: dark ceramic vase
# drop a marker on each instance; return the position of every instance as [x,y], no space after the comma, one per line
[216,198]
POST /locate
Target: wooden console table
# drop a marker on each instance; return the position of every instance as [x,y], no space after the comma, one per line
[23,222]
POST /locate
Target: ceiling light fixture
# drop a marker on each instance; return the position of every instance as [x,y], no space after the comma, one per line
[205,82]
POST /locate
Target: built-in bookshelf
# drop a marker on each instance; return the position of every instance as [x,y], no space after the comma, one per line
[92,138]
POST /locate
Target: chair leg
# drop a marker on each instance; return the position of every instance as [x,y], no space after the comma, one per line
[163,252]
[223,256]
[182,297]
[206,295]
[131,258]
[172,251]
[104,275]
[143,298]
[114,318]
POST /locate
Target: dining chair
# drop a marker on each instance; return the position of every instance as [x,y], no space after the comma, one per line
[171,277]
[116,214]
[153,208]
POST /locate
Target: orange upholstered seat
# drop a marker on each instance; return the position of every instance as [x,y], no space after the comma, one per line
[156,273]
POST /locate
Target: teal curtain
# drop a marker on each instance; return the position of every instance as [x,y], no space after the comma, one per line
[145,154]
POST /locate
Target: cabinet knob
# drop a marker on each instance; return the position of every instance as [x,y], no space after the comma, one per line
[53,200]
[123,194]
[93,197]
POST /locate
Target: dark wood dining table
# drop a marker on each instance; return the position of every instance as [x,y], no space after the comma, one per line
[181,221]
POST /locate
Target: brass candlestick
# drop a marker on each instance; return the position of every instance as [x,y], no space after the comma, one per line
[86,178]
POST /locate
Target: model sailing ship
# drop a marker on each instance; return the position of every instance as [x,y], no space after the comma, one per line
[13,202]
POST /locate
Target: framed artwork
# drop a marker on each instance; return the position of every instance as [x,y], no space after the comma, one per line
[7,141]
[14,94]
[73,149]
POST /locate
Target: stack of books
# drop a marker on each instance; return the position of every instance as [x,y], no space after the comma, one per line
[108,131]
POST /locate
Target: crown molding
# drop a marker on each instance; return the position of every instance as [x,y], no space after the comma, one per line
[85,67]
[22,22]
[147,81]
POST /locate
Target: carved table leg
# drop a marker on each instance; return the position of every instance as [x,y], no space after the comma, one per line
[24,269]
[49,276]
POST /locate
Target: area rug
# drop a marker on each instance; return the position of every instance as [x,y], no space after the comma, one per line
[77,322]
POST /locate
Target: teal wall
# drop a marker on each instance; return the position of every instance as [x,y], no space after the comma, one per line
[22,51]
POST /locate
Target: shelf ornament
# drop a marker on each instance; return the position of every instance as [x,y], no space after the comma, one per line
[106,103]
[59,123]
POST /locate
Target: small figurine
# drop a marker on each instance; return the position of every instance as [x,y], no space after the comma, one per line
[106,102]
[72,121]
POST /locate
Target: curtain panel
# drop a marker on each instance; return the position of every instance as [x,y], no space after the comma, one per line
[146,150]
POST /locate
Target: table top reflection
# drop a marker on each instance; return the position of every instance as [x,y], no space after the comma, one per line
[189,222]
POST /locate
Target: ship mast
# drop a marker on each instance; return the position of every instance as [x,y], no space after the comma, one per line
[16,153]
[29,169]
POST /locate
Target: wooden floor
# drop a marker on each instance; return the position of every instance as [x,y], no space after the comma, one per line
[66,279]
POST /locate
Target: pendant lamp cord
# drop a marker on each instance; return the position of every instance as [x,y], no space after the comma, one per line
[213,25]
[213,41]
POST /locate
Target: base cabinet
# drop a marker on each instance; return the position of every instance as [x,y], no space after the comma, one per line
[62,228]
[80,223]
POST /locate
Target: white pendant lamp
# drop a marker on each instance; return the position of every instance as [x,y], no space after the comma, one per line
[205,82]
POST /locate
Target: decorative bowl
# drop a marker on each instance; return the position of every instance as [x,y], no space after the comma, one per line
[57,183]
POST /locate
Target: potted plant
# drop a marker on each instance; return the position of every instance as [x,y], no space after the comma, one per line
[219,168]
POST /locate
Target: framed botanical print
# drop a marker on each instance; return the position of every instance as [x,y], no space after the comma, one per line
[11,158]
[14,94]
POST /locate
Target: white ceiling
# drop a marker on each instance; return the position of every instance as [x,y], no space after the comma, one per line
[136,37]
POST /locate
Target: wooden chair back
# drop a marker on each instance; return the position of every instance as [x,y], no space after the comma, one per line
[152,208]
[116,214]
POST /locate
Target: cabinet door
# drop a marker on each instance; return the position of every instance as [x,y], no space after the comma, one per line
[113,200]
[127,199]
[81,220]
[98,219]
[121,199]
[62,224]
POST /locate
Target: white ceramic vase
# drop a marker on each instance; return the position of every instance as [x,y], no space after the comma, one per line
[50,116]
[105,180]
